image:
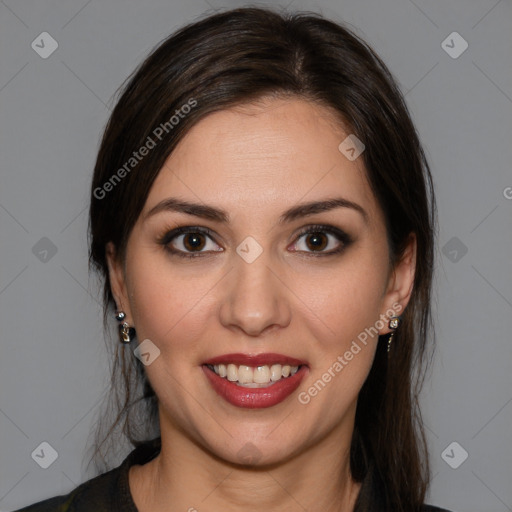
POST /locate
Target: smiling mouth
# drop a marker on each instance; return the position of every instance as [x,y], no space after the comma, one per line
[254,376]
[255,381]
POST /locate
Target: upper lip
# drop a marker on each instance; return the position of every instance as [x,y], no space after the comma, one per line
[255,359]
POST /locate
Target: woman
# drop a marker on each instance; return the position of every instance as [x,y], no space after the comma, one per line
[262,215]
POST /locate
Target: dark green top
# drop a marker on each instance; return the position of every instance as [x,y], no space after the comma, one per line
[110,492]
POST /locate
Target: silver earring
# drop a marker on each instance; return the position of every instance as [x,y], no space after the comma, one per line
[394,322]
[120,316]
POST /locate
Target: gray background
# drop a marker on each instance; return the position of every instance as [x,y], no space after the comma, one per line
[53,365]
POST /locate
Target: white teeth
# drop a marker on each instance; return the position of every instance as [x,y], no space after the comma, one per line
[254,377]
[261,374]
[245,374]
[275,372]
[232,372]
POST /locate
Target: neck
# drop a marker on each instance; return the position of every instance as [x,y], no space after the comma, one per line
[191,479]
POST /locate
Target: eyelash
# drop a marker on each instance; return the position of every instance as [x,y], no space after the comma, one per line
[344,239]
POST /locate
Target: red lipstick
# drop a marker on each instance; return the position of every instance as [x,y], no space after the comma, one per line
[255,398]
[255,360]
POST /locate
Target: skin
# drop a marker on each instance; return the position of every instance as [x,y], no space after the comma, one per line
[255,162]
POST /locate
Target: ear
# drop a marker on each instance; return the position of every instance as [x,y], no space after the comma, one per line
[117,280]
[400,283]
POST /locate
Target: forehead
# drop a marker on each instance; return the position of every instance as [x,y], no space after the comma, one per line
[261,157]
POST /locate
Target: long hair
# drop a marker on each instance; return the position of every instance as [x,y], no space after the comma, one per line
[235,57]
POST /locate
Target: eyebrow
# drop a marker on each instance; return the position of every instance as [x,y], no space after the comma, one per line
[219,215]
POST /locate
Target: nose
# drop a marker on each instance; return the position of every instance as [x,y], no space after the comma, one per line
[254,298]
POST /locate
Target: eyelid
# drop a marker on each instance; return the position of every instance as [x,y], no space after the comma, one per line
[319,228]
[344,238]
[170,234]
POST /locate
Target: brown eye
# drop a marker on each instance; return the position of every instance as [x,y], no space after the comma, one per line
[190,241]
[194,241]
[317,241]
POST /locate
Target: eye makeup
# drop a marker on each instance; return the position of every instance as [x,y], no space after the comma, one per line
[203,236]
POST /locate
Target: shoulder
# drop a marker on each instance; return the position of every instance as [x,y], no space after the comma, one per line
[105,493]
[95,492]
[431,508]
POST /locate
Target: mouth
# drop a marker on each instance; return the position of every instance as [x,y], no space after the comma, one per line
[255,381]
[254,377]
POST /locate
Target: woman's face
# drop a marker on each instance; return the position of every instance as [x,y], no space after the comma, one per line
[269,278]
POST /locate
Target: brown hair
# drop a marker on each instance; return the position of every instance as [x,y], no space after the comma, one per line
[232,58]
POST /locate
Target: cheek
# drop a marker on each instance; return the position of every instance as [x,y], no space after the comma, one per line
[346,304]
[344,344]
[168,308]
[342,303]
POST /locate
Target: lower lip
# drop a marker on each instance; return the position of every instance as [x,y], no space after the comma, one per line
[255,398]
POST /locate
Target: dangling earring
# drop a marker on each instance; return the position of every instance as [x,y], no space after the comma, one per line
[126,333]
[394,322]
